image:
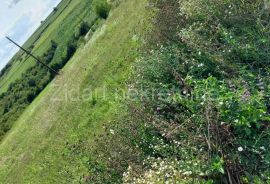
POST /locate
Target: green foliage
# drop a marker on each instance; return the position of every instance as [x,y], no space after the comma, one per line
[84,28]
[238,107]
[70,51]
[102,8]
[231,114]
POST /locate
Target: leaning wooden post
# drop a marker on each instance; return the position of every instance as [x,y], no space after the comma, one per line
[29,53]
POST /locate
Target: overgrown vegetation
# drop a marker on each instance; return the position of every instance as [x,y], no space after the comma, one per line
[201,112]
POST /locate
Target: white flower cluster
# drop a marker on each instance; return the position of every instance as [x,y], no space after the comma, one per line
[161,171]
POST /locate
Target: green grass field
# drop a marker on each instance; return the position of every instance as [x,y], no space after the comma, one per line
[37,149]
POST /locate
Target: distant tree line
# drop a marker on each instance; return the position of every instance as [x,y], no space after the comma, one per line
[5,69]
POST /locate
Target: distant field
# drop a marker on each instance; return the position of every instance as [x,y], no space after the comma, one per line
[59,26]
[44,25]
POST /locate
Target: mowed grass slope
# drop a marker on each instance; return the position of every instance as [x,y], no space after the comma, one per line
[59,26]
[53,139]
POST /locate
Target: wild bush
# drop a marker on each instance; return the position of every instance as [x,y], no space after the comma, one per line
[102,8]
[84,28]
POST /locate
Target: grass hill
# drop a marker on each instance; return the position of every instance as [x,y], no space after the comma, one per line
[41,147]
